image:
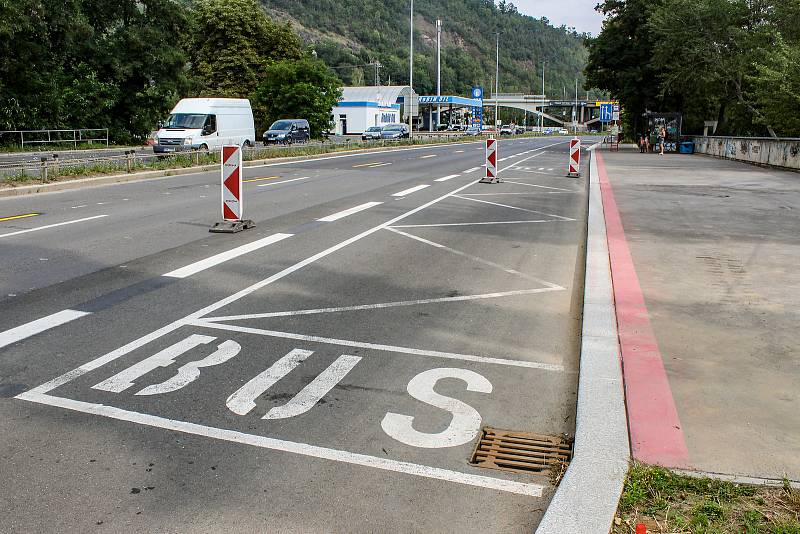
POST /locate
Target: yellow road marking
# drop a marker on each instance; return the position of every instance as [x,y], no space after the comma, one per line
[260,179]
[24,216]
[368,164]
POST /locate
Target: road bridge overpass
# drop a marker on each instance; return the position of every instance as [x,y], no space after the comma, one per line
[587,111]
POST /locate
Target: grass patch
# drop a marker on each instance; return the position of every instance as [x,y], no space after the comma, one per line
[670,503]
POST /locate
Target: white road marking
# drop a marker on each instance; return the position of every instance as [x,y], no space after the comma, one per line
[410,190]
[458,152]
[473,169]
[448,177]
[164,358]
[171,327]
[541,168]
[464,424]
[381,305]
[514,208]
[379,165]
[81,206]
[344,213]
[528,193]
[475,258]
[428,156]
[310,395]
[242,401]
[471,223]
[52,226]
[542,186]
[314,451]
[39,325]
[282,182]
[202,265]
[203,323]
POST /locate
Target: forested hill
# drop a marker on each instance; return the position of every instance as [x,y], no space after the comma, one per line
[357,32]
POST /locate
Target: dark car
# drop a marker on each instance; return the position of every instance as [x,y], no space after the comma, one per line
[394,131]
[288,131]
[373,132]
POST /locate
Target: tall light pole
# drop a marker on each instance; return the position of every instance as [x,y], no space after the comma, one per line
[541,111]
[575,116]
[409,104]
[496,77]
[438,70]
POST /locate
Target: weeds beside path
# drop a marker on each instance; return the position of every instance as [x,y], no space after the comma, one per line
[670,503]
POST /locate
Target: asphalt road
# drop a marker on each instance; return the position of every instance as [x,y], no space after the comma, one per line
[333,378]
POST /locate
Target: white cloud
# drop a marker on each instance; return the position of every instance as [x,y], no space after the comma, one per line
[578,14]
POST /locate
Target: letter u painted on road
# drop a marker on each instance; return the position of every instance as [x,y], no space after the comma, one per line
[232,205]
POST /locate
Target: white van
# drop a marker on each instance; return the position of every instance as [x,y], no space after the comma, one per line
[206,124]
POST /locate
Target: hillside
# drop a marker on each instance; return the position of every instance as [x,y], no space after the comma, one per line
[349,33]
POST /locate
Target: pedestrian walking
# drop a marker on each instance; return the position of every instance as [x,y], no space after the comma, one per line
[642,145]
[662,136]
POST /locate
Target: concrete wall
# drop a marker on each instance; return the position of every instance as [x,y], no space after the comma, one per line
[759,150]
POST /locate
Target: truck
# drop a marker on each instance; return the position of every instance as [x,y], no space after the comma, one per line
[206,124]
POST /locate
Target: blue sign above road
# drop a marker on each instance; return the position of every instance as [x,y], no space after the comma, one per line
[606,112]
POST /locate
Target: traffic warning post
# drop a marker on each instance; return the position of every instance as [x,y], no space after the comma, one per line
[232,201]
[491,163]
[574,168]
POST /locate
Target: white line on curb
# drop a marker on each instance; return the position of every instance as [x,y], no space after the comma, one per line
[410,190]
[52,226]
[586,499]
[39,325]
[222,257]
[344,213]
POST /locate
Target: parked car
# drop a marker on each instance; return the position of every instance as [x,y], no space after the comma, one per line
[206,124]
[520,130]
[373,132]
[563,131]
[473,130]
[506,130]
[287,131]
[396,130]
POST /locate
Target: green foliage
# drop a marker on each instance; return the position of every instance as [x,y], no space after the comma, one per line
[232,42]
[357,32]
[299,89]
[89,64]
[734,61]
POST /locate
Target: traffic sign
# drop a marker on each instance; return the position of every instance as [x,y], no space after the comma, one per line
[232,205]
[574,168]
[606,112]
[491,163]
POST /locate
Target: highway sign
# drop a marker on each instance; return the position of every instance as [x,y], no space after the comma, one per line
[606,112]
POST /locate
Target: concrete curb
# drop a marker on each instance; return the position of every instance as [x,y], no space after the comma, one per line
[149,175]
[586,499]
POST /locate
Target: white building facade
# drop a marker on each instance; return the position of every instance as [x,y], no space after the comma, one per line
[362,107]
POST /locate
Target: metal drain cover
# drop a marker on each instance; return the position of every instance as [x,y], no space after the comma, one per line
[521,452]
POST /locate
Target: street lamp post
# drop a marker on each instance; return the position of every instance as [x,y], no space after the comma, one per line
[496,78]
[409,104]
[438,71]
[541,111]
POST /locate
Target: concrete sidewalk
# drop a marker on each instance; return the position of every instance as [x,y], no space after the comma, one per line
[704,257]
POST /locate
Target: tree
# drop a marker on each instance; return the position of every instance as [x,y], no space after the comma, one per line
[232,43]
[305,89]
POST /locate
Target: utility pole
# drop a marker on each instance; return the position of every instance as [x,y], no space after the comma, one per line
[496,78]
[541,111]
[377,72]
[409,104]
[438,71]
[575,115]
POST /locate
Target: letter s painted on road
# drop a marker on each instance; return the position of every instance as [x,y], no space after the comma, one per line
[466,421]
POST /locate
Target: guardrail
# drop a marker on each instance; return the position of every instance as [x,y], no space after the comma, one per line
[781,152]
[73,136]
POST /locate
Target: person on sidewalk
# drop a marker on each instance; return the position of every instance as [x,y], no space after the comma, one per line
[642,145]
[662,136]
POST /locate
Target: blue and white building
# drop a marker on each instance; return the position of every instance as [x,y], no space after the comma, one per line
[362,107]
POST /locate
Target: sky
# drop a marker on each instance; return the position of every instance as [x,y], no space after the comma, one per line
[578,14]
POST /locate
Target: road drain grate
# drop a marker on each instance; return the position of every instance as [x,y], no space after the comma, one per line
[521,452]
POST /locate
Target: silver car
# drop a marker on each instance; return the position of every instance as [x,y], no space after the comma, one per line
[373,132]
[394,131]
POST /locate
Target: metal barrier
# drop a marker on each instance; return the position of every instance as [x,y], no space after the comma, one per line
[78,135]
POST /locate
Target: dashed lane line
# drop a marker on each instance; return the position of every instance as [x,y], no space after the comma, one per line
[448,177]
[202,265]
[284,181]
[260,179]
[410,190]
[344,213]
[39,325]
[51,226]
